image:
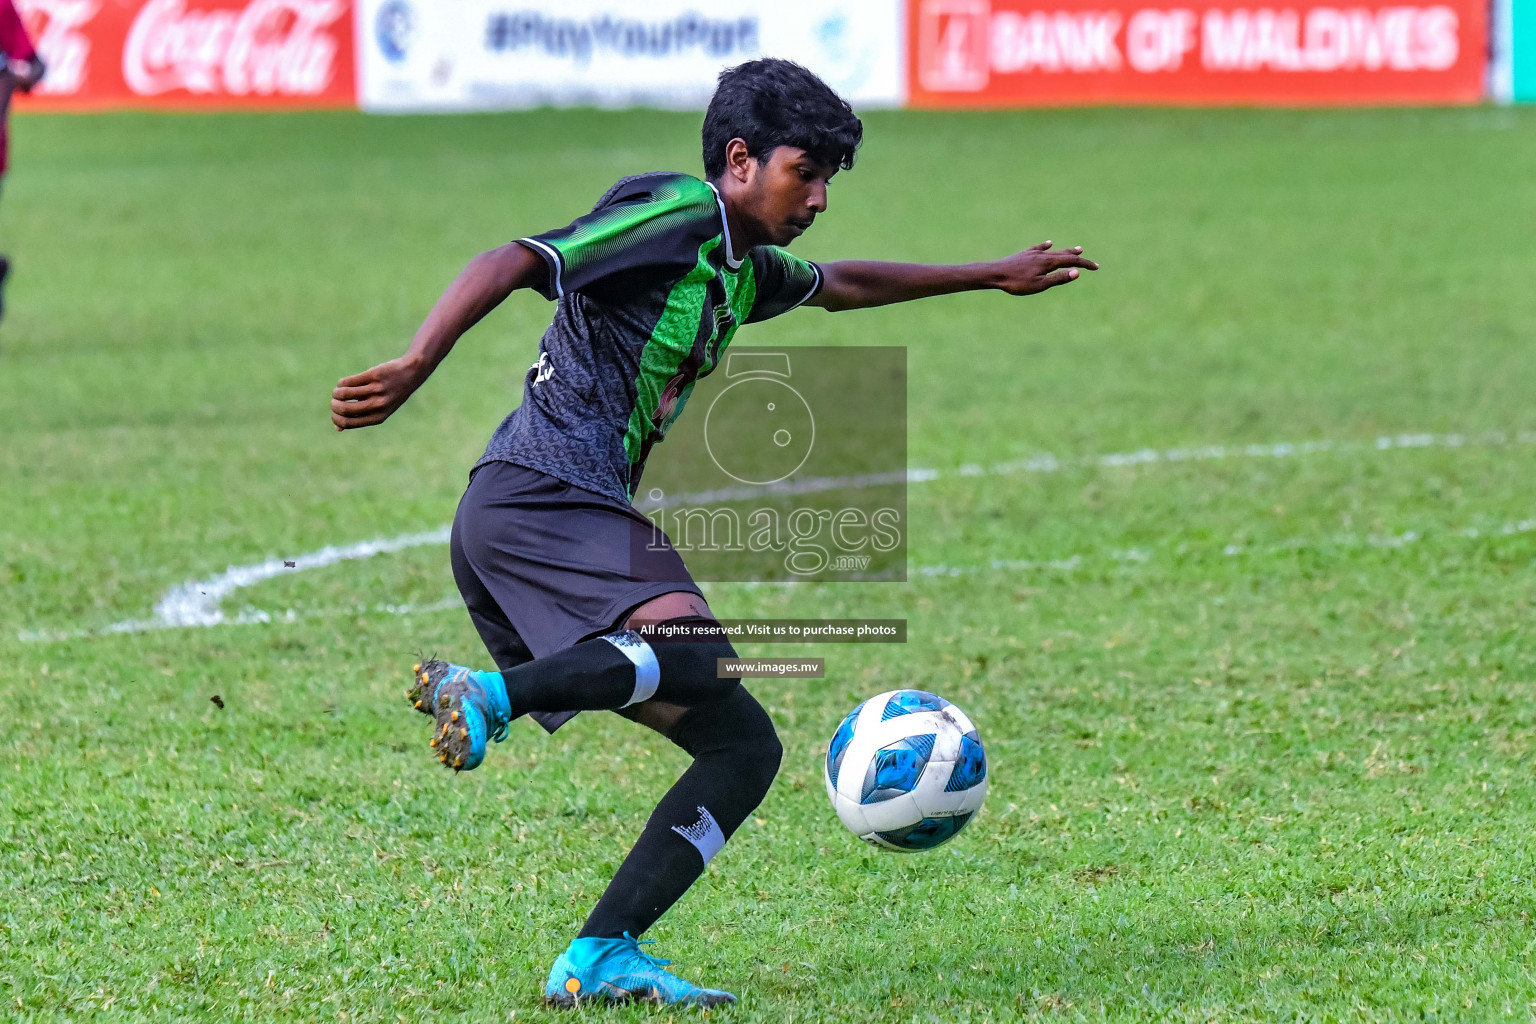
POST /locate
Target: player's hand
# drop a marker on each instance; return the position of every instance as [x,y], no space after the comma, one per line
[25,73]
[1040,267]
[366,398]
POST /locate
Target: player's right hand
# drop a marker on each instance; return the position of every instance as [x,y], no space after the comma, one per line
[370,397]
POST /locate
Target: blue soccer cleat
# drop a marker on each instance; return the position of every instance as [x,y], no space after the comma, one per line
[468,707]
[614,970]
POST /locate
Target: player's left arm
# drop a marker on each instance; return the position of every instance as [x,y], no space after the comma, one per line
[859,284]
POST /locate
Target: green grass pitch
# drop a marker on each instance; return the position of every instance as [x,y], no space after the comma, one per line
[1261,728]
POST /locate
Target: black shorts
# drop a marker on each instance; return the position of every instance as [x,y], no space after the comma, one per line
[543,564]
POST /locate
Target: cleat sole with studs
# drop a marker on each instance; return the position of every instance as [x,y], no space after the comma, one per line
[450,737]
[422,684]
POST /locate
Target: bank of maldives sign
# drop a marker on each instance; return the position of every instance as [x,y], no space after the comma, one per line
[223,53]
[487,54]
[1027,52]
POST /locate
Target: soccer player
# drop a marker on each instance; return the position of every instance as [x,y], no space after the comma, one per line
[552,560]
[21,69]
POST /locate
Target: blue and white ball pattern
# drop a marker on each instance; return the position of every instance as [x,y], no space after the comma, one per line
[906,770]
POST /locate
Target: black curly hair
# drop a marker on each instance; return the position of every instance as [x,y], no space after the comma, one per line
[769,103]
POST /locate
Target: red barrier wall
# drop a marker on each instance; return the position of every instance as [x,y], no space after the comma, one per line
[993,53]
[192,53]
[960,53]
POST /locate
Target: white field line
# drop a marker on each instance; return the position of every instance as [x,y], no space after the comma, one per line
[198,602]
[1385,542]
[247,617]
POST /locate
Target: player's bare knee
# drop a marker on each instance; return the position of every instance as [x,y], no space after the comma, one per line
[689,649]
[672,605]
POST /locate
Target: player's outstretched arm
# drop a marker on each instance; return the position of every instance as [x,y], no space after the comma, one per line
[859,284]
[366,398]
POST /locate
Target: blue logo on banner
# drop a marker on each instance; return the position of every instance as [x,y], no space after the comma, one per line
[392,28]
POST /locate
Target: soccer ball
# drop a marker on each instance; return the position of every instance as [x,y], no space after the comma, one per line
[906,771]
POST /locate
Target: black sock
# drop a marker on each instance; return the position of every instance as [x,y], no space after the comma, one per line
[736,755]
[621,668]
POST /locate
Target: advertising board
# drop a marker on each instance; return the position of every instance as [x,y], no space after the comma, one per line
[220,53]
[494,54]
[993,53]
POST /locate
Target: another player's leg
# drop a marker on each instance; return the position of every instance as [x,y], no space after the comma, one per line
[736,755]
[5,261]
[5,146]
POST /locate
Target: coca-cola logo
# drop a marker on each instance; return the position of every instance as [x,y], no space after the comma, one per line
[267,48]
[57,26]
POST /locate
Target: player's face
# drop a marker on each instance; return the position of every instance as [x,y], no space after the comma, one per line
[789,190]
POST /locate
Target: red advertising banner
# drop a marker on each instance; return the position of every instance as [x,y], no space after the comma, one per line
[192,53]
[997,53]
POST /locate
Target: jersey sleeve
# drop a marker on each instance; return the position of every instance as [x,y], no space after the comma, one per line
[652,223]
[13,34]
[784,281]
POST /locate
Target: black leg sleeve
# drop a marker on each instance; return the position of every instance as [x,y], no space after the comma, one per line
[736,755]
[620,669]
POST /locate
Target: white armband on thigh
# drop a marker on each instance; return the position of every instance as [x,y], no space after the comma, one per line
[647,671]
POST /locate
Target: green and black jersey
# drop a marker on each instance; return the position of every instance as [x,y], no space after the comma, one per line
[650,292]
